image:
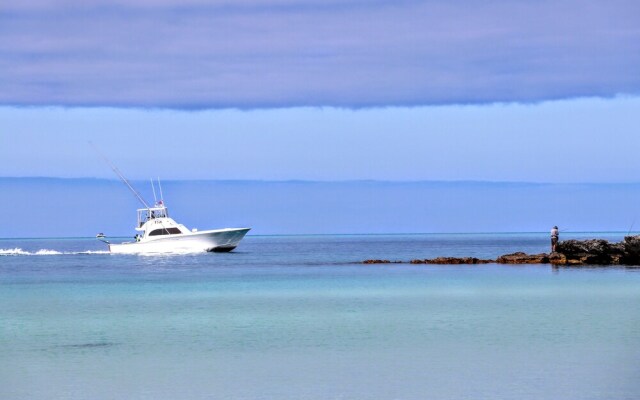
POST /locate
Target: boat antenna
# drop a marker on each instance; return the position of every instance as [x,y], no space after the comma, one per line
[155,199]
[120,175]
[160,186]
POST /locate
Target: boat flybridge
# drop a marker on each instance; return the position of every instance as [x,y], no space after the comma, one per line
[161,234]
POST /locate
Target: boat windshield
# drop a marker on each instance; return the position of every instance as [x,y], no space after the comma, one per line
[145,214]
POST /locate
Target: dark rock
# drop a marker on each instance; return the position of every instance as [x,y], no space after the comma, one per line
[556,258]
[523,258]
[379,262]
[591,252]
[452,261]
[569,252]
[631,250]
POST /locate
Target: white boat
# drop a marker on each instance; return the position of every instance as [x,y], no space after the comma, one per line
[161,234]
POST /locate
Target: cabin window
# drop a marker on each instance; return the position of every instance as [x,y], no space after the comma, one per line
[165,231]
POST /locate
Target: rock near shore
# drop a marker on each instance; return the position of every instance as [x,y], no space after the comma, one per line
[375,261]
[568,252]
[523,258]
[452,261]
[599,252]
[593,251]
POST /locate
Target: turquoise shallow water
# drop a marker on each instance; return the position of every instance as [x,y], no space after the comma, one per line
[292,317]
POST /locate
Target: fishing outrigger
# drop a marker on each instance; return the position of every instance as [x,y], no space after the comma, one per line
[161,234]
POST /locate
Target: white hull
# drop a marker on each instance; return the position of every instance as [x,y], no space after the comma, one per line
[219,240]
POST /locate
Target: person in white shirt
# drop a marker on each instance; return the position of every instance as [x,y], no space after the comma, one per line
[555,234]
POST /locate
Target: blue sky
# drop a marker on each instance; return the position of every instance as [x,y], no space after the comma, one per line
[50,207]
[329,90]
[576,140]
[538,91]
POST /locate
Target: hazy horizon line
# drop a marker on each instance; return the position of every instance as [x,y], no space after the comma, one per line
[346,234]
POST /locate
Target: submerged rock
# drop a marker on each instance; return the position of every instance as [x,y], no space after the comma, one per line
[452,261]
[438,260]
[380,262]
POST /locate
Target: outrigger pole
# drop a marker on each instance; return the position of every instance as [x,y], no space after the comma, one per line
[160,186]
[155,199]
[120,175]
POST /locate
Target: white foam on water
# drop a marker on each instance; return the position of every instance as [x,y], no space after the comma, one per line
[46,252]
[168,253]
[13,252]
[49,252]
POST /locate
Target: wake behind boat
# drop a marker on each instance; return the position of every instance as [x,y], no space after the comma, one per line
[161,234]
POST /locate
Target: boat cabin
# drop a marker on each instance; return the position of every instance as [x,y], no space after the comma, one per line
[147,214]
[154,222]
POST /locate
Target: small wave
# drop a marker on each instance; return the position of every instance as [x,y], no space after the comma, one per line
[89,345]
[46,252]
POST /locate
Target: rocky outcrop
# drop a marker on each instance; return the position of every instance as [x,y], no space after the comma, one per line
[583,252]
[523,258]
[631,250]
[558,259]
[569,252]
[590,252]
[452,261]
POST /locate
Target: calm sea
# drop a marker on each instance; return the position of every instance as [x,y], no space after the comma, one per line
[293,317]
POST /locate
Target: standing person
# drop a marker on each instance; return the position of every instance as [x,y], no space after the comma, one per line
[555,234]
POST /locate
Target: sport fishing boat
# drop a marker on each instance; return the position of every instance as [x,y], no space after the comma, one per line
[161,234]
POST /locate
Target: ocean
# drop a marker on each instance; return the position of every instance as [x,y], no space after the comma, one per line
[296,317]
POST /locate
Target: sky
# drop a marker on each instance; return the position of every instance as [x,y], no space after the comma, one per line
[330,91]
[53,207]
[292,53]
[577,140]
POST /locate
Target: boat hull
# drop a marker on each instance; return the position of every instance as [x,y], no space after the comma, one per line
[219,240]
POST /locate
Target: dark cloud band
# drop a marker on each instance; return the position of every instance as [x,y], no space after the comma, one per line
[199,54]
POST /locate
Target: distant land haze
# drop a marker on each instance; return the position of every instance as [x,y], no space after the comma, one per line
[54,207]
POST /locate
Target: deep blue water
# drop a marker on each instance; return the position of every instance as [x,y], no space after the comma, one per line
[294,317]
